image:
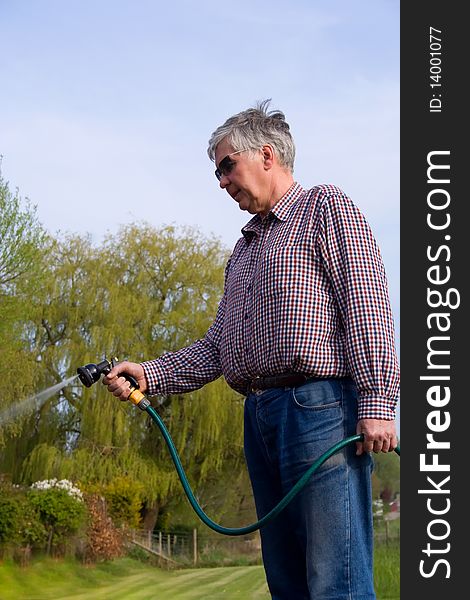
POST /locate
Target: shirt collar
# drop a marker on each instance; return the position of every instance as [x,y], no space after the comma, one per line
[281,211]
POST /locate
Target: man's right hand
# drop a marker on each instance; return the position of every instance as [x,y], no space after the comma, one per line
[118,385]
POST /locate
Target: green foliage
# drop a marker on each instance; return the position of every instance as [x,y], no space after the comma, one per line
[8,517]
[19,523]
[124,497]
[61,514]
[44,462]
[22,246]
[21,236]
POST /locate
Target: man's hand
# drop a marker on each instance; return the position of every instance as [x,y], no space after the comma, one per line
[119,386]
[379,436]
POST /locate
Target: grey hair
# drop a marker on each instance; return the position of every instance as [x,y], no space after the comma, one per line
[253,128]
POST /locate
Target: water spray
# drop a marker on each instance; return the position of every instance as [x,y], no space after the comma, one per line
[33,403]
[90,374]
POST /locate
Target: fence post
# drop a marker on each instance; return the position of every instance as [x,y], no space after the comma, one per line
[160,542]
[149,539]
[169,544]
[195,546]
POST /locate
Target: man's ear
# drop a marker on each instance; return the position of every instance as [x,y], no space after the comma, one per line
[268,156]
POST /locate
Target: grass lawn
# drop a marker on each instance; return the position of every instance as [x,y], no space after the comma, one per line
[128,579]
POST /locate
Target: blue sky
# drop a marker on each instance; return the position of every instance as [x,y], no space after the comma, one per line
[107,106]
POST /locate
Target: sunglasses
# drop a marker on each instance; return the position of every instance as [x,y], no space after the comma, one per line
[226,165]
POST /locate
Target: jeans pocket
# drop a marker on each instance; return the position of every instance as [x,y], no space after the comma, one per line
[319,394]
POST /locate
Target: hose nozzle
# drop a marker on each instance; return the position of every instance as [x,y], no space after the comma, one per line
[90,374]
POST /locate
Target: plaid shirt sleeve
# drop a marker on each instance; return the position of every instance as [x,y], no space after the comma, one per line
[356,271]
[191,367]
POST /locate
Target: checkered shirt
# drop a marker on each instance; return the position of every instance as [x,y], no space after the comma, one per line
[305,291]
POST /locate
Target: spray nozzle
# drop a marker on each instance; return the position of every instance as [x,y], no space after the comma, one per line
[90,374]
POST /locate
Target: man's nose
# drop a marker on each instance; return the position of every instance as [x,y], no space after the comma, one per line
[224,181]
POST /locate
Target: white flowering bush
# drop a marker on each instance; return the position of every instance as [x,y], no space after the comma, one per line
[62,484]
[61,510]
[50,515]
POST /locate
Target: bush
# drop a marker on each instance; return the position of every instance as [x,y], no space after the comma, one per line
[61,513]
[55,516]
[19,521]
[104,540]
[124,500]
[20,527]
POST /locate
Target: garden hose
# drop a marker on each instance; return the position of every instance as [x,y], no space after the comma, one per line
[89,374]
[272,513]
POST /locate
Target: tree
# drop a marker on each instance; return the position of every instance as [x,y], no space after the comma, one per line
[21,237]
[141,293]
[22,246]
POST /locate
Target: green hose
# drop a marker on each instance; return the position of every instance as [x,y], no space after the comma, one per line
[270,515]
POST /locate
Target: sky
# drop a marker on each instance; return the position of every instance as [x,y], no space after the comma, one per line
[107,107]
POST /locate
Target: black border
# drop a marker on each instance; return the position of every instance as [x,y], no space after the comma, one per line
[422,132]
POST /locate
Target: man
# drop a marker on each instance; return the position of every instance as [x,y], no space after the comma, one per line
[304,330]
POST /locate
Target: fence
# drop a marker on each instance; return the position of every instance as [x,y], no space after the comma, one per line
[192,547]
[183,547]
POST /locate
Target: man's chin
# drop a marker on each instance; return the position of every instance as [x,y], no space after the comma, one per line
[245,204]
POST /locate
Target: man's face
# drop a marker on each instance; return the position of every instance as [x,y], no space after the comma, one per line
[248,181]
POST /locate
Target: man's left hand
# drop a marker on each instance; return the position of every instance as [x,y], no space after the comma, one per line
[379,436]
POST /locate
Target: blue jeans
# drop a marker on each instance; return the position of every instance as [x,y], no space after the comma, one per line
[321,546]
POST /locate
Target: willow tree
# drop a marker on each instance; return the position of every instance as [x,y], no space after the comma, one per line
[22,244]
[141,293]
